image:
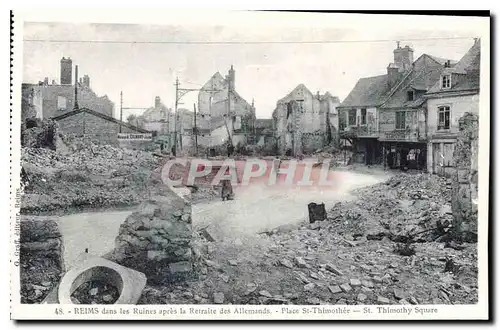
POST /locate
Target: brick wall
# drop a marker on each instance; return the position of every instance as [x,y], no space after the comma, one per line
[92,127]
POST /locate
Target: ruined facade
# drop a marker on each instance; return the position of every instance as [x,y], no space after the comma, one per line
[304,121]
[218,101]
[50,100]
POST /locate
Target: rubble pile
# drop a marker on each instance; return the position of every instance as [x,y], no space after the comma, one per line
[41,257]
[407,207]
[156,239]
[38,133]
[86,175]
[95,292]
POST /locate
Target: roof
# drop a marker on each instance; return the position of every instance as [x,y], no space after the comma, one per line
[293,90]
[368,91]
[102,116]
[441,60]
[465,74]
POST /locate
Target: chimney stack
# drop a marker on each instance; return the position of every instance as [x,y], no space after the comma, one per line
[86,81]
[157,102]
[403,57]
[231,78]
[66,71]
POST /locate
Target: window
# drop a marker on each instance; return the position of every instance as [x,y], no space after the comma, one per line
[352,117]
[289,109]
[411,95]
[363,116]
[446,81]
[443,117]
[400,120]
[61,103]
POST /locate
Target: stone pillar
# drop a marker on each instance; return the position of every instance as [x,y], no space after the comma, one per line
[465,179]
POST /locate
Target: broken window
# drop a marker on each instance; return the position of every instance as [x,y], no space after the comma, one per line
[352,117]
[444,117]
[446,81]
[400,120]
[363,116]
[411,95]
[289,109]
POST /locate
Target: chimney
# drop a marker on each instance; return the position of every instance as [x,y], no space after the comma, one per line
[76,87]
[66,71]
[46,81]
[393,74]
[86,81]
[157,102]
[231,79]
[53,82]
[403,57]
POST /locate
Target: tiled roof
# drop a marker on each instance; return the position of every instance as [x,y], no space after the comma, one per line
[368,91]
[465,74]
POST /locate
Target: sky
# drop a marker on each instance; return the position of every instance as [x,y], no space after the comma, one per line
[143,61]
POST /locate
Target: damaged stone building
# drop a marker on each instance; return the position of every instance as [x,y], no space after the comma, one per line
[47,100]
[385,117]
[305,122]
[223,114]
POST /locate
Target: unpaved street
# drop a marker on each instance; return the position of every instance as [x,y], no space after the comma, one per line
[260,208]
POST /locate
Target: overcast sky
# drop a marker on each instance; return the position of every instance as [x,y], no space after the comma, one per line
[264,71]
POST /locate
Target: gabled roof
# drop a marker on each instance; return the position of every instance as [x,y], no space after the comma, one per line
[102,116]
[367,92]
[299,86]
[465,74]
[441,60]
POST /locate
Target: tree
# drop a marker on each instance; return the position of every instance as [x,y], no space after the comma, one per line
[132,119]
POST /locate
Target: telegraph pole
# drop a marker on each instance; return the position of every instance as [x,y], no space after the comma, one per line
[195,131]
[121,109]
[176,115]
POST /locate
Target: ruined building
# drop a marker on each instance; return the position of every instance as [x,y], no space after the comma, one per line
[49,100]
[305,122]
[223,114]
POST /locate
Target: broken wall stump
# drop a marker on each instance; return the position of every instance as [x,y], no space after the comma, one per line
[156,239]
[317,212]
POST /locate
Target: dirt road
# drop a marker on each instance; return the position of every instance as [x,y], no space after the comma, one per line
[260,208]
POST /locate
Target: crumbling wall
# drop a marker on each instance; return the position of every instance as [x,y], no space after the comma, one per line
[156,239]
[465,179]
[41,257]
[312,142]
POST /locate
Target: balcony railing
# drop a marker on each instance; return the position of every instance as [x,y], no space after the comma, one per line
[402,135]
[359,131]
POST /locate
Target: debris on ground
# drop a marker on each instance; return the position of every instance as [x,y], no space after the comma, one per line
[95,292]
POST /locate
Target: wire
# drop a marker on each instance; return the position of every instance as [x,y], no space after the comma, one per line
[244,42]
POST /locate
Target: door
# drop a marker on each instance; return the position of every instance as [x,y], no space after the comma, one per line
[437,159]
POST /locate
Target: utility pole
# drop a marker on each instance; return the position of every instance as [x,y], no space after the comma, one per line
[195,131]
[176,115]
[121,109]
